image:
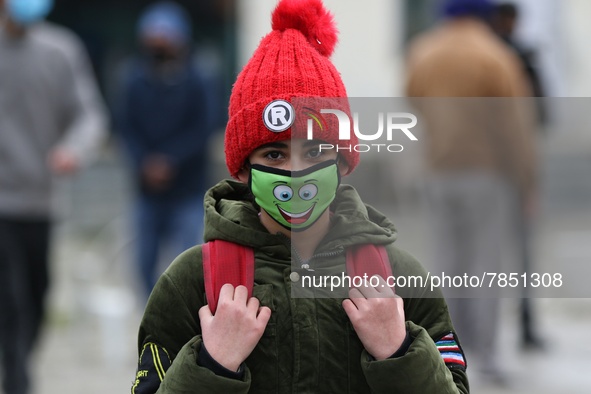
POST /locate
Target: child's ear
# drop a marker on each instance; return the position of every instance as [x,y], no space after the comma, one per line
[343,167]
[244,174]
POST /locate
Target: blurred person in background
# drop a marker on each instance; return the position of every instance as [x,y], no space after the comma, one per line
[481,157]
[504,21]
[164,117]
[52,119]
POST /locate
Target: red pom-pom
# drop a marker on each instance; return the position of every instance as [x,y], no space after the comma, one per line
[309,17]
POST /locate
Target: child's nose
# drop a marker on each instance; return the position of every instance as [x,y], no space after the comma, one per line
[296,164]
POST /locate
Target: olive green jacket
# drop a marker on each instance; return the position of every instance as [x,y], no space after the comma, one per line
[309,345]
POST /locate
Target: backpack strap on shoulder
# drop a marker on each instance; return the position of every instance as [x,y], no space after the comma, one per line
[226,262]
[368,259]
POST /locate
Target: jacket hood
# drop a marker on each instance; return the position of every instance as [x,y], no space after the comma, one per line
[230,216]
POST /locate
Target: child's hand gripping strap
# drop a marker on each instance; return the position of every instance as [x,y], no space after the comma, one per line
[226,262]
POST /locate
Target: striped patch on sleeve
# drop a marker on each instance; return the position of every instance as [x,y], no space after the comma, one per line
[451,352]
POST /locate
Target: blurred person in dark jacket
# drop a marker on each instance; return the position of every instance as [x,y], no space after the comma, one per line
[164,118]
[505,19]
[481,157]
[52,120]
[504,22]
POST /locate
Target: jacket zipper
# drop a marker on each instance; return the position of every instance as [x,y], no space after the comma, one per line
[305,264]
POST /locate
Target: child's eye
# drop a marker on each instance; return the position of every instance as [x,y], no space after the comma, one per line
[274,155]
[314,153]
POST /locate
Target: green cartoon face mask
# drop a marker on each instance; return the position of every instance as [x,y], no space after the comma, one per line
[295,199]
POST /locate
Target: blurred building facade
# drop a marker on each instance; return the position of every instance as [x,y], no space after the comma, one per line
[375,34]
[378,37]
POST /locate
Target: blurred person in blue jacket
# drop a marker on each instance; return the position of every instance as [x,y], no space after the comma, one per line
[52,120]
[164,116]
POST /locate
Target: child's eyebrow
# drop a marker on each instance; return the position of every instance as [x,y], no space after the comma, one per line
[312,143]
[278,145]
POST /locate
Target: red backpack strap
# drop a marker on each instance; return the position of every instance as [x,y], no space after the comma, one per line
[368,259]
[226,262]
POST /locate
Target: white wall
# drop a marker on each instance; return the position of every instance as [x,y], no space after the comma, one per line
[561,31]
[575,44]
[540,28]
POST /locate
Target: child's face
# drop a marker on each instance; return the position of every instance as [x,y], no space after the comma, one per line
[293,181]
[291,155]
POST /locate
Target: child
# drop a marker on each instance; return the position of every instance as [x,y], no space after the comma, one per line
[371,341]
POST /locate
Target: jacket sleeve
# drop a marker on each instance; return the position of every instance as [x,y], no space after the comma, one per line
[85,111]
[198,124]
[124,113]
[426,367]
[170,336]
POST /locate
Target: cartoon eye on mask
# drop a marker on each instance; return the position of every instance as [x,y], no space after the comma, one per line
[308,192]
[283,193]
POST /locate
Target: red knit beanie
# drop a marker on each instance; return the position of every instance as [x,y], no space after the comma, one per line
[291,62]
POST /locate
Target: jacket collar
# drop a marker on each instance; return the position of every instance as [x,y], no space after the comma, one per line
[232,216]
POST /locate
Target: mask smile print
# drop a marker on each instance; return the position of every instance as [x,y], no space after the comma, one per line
[295,199]
[285,194]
